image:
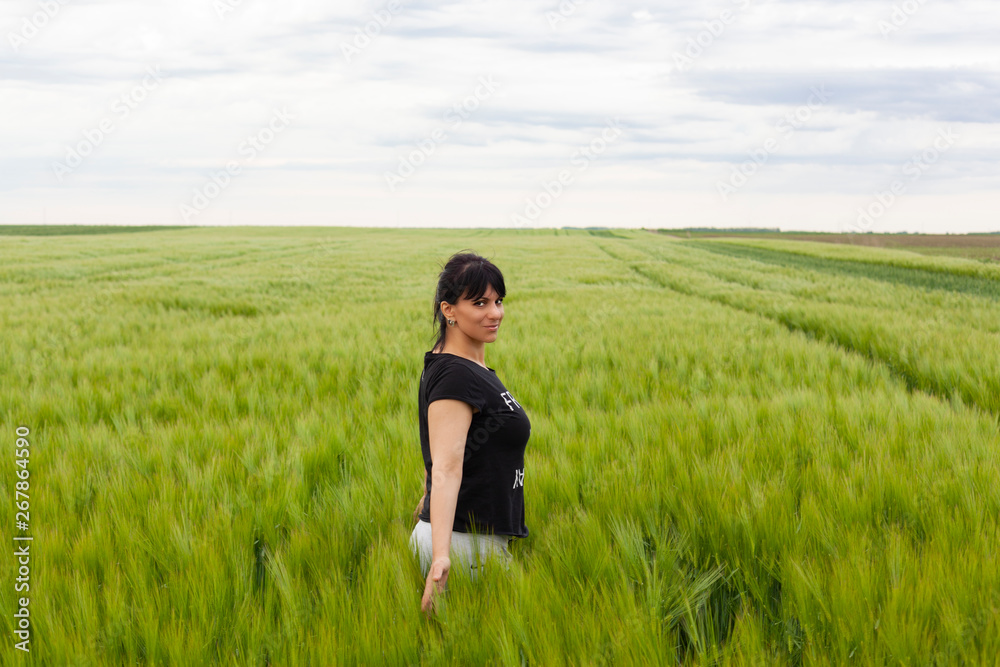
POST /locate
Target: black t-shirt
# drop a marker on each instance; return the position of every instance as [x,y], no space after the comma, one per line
[491,496]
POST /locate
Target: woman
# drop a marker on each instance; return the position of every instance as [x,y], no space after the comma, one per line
[472,431]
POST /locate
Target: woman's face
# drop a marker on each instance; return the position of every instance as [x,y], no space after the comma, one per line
[478,319]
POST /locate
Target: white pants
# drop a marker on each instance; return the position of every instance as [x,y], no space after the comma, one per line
[467,550]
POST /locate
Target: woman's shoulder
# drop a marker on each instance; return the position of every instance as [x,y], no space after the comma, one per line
[446,359]
[441,362]
[451,369]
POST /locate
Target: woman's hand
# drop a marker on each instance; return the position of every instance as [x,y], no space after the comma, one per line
[437,579]
[420,508]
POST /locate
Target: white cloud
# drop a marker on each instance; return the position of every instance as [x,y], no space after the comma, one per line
[559,85]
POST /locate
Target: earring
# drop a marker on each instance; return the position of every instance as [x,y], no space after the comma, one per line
[451,323]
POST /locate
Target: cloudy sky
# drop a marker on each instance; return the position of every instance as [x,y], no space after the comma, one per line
[808,115]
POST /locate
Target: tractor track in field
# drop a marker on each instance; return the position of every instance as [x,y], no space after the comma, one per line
[913,382]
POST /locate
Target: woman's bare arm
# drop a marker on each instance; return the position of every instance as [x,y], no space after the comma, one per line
[420,503]
[448,424]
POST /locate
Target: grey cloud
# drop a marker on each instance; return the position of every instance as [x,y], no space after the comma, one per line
[944,95]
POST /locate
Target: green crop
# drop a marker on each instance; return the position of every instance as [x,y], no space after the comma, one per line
[746,452]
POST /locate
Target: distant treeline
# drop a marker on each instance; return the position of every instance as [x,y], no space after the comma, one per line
[734,230]
[61,230]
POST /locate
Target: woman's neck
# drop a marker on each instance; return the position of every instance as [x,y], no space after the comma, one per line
[466,349]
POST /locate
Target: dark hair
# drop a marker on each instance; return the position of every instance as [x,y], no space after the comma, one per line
[466,275]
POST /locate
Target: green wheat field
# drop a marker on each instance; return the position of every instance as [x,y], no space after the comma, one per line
[744,451]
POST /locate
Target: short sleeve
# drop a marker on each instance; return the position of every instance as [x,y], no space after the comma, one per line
[455,381]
